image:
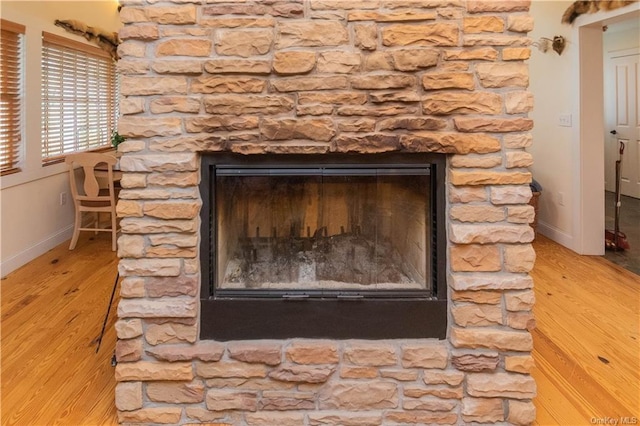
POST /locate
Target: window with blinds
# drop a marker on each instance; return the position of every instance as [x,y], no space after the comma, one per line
[79,97]
[11,51]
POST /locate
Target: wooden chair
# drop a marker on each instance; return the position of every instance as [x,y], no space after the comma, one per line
[89,195]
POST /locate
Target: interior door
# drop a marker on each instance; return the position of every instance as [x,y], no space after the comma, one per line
[623,117]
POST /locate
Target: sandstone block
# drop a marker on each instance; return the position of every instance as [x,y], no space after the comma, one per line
[302,373]
[128,396]
[237,66]
[139,32]
[129,208]
[145,86]
[338,62]
[248,104]
[519,364]
[520,214]
[162,415]
[311,33]
[260,353]
[475,282]
[467,194]
[294,62]
[519,159]
[458,177]
[296,84]
[314,110]
[520,23]
[171,332]
[519,301]
[462,103]
[129,67]
[501,385]
[218,123]
[145,127]
[437,34]
[339,98]
[204,351]
[480,54]
[235,9]
[521,413]
[506,74]
[498,125]
[262,22]
[153,371]
[144,226]
[450,13]
[243,43]
[351,372]
[184,47]
[274,418]
[501,195]
[388,81]
[408,96]
[172,210]
[370,354]
[132,106]
[318,129]
[476,315]
[412,123]
[479,6]
[449,80]
[131,287]
[170,252]
[180,179]
[482,410]
[369,143]
[399,374]
[519,102]
[504,340]
[445,392]
[222,400]
[516,53]
[182,285]
[523,320]
[494,40]
[475,362]
[420,417]
[356,125]
[288,10]
[149,267]
[375,111]
[313,352]
[490,234]
[286,400]
[227,369]
[473,162]
[366,36]
[166,307]
[342,418]
[409,15]
[131,48]
[414,59]
[440,377]
[203,415]
[481,297]
[449,143]
[227,85]
[483,24]
[519,258]
[378,61]
[174,104]
[177,67]
[475,257]
[128,328]
[177,392]
[429,404]
[429,355]
[346,395]
[171,15]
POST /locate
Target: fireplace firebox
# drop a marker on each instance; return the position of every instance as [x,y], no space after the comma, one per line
[331,245]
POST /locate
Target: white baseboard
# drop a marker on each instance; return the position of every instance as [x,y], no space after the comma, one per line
[555,234]
[9,265]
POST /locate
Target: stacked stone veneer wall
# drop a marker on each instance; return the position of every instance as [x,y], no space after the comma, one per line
[320,76]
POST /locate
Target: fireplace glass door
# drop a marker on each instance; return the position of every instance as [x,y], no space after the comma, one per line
[323,231]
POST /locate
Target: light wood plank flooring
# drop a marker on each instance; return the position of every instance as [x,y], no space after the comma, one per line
[586,343]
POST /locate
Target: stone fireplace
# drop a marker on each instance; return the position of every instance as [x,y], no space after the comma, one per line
[324,213]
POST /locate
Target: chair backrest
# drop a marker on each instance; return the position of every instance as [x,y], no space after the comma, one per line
[90,185]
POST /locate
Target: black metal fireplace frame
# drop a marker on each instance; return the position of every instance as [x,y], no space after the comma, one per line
[261,314]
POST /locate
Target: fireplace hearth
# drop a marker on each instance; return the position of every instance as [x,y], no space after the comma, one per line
[340,235]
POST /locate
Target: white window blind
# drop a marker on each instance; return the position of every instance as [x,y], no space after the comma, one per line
[79,97]
[11,54]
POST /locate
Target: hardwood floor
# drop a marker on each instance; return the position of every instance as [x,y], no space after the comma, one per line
[586,344]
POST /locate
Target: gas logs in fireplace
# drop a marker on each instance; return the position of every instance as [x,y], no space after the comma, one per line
[323,246]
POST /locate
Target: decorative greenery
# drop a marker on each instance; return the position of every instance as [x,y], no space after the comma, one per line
[116,139]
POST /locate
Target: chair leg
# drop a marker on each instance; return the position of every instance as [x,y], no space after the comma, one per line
[76,230]
[114,231]
[97,223]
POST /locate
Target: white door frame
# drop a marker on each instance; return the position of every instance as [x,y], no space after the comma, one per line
[587,138]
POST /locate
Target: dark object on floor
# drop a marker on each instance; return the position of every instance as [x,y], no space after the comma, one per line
[106,317]
[616,240]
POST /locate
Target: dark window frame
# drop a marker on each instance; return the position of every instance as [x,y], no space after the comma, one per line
[371,315]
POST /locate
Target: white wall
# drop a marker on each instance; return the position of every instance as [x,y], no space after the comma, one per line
[32,220]
[550,78]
